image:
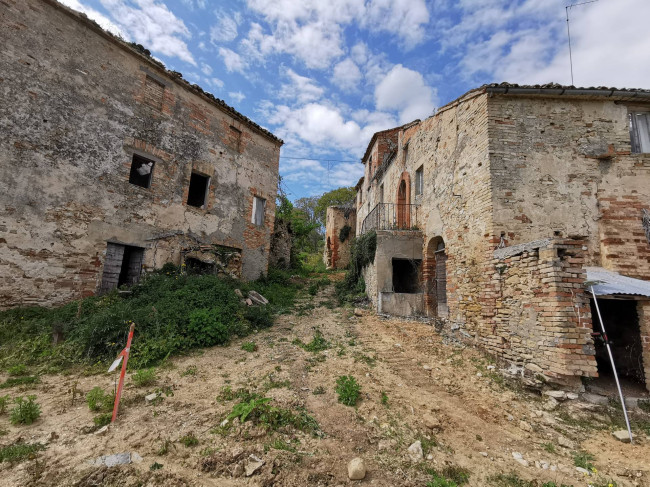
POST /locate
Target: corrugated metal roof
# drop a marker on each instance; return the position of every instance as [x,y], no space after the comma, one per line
[609,282]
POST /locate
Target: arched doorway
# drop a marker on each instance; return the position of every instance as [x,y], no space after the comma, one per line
[403,201]
[435,278]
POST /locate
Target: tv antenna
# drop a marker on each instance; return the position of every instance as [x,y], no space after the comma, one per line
[568,30]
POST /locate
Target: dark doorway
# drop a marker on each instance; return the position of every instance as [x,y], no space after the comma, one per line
[123,266]
[196,266]
[622,325]
[197,193]
[406,276]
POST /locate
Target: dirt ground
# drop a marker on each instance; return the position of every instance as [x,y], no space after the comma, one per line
[434,390]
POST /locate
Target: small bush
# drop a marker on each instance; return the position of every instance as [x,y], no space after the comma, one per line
[145,377]
[258,410]
[259,317]
[348,390]
[155,466]
[189,440]
[20,451]
[98,400]
[102,419]
[4,400]
[249,347]
[25,411]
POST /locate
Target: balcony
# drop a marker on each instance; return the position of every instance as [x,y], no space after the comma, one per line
[392,216]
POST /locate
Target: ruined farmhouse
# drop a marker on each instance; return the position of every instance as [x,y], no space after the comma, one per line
[494,215]
[111,165]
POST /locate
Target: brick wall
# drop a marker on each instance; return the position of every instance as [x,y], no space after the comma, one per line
[82,104]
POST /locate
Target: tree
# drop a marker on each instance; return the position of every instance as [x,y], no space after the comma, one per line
[336,197]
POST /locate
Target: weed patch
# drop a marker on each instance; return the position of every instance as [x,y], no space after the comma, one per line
[145,377]
[583,459]
[508,480]
[189,440]
[348,390]
[190,371]
[317,343]
[25,411]
[259,411]
[249,347]
[19,381]
[98,400]
[102,419]
[19,452]
[4,400]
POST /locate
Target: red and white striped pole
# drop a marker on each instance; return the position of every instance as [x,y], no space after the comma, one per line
[123,354]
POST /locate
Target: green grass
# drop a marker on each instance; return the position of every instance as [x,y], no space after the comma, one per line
[583,459]
[102,419]
[509,480]
[173,313]
[19,381]
[449,476]
[145,377]
[249,347]
[280,444]
[189,440]
[549,447]
[384,398]
[4,400]
[348,390]
[19,452]
[317,343]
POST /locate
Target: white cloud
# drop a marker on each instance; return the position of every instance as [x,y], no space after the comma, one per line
[300,88]
[232,60]
[238,96]
[216,82]
[405,91]
[206,69]
[346,75]
[194,4]
[225,30]
[93,14]
[313,30]
[152,25]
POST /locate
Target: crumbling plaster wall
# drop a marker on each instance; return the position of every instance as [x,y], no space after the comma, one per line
[76,117]
[564,165]
[336,253]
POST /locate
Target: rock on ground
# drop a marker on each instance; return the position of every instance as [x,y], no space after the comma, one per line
[356,469]
[415,451]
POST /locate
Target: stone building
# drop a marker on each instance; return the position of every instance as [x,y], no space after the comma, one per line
[340,230]
[111,164]
[493,213]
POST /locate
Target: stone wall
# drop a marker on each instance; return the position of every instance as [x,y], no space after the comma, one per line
[563,165]
[643,312]
[281,241]
[82,104]
[336,253]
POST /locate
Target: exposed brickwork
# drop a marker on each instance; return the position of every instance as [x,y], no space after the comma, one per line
[336,254]
[92,103]
[643,311]
[503,170]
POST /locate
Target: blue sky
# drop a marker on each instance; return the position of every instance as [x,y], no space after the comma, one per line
[324,75]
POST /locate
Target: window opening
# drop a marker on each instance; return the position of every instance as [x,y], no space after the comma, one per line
[640,132]
[258,211]
[141,171]
[122,267]
[406,277]
[195,266]
[197,194]
[419,181]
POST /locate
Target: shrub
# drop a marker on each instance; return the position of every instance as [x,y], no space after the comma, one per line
[259,316]
[344,233]
[258,410]
[317,343]
[145,377]
[19,452]
[207,328]
[348,390]
[25,411]
[102,419]
[98,400]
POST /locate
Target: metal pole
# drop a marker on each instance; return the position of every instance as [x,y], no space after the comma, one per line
[568,31]
[611,359]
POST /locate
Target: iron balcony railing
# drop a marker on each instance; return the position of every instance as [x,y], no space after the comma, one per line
[392,216]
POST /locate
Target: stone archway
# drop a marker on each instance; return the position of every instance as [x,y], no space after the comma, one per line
[435,278]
